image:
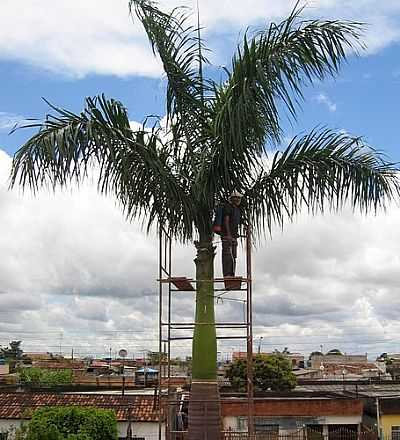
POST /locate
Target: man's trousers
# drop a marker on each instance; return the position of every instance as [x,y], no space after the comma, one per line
[229,254]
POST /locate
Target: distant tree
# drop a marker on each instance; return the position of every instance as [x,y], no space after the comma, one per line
[71,423]
[272,372]
[385,358]
[284,351]
[13,352]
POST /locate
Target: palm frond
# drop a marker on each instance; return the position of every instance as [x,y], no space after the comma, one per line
[133,165]
[180,49]
[319,169]
[67,142]
[269,69]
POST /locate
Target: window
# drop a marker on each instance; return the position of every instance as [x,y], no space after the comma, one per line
[395,432]
[3,435]
[261,425]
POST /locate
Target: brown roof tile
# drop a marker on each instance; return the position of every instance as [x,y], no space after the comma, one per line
[21,405]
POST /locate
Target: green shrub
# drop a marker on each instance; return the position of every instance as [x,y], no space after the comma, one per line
[72,423]
[43,376]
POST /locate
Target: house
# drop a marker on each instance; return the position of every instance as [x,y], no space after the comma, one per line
[146,377]
[382,408]
[61,364]
[389,417]
[285,415]
[39,356]
[295,359]
[139,412]
[318,359]
[306,373]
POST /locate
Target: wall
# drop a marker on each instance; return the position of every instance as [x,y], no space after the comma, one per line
[386,423]
[9,425]
[338,359]
[148,430]
[289,424]
[4,369]
[295,407]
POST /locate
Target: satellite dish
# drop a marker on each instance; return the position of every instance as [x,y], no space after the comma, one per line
[123,353]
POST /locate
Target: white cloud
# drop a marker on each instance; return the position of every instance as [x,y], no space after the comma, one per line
[325,100]
[74,272]
[10,120]
[97,36]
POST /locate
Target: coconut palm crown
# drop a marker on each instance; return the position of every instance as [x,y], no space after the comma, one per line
[216,139]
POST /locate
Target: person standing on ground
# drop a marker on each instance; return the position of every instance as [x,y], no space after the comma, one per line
[230,233]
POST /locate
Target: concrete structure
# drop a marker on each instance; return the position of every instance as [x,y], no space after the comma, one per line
[334,359]
[307,373]
[389,417]
[286,415]
[40,356]
[4,369]
[137,411]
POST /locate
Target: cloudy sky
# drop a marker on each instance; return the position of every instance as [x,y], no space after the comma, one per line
[74,273]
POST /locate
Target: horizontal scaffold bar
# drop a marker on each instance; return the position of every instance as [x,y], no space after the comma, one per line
[220,324]
[192,280]
[215,290]
[181,338]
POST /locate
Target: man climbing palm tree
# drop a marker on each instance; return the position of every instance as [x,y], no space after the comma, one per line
[231,217]
[218,134]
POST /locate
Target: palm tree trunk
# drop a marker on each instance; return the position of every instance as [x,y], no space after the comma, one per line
[204,404]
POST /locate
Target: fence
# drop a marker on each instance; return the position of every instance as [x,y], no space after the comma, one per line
[301,434]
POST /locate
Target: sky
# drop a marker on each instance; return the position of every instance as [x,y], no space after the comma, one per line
[75,274]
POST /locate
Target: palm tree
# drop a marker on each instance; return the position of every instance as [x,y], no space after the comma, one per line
[216,139]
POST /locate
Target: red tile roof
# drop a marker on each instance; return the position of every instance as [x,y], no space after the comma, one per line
[21,405]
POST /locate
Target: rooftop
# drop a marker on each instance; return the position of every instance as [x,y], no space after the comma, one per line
[21,405]
[377,389]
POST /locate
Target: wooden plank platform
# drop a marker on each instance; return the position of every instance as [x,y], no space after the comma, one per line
[233,283]
[182,283]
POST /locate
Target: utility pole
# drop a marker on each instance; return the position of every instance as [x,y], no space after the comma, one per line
[378,418]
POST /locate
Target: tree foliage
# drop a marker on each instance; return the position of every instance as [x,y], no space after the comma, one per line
[71,423]
[270,372]
[13,352]
[218,133]
[45,377]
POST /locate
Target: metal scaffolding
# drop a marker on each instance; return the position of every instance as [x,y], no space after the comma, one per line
[168,327]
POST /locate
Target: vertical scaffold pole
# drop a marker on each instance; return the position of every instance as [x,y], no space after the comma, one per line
[169,265]
[160,333]
[250,386]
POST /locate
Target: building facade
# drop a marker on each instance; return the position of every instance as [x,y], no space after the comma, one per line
[286,416]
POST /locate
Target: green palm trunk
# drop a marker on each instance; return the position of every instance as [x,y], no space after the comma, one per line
[204,350]
[204,404]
